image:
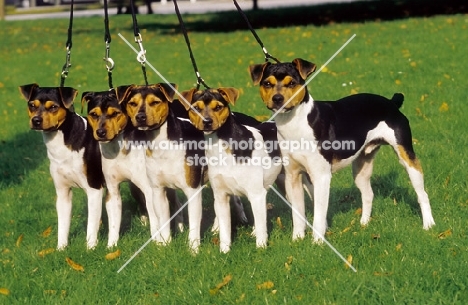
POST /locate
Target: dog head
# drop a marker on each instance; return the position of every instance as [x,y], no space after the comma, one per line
[105,114]
[209,108]
[48,106]
[147,106]
[282,84]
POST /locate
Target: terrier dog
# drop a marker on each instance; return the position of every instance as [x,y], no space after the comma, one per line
[74,156]
[237,158]
[342,132]
[120,162]
[170,142]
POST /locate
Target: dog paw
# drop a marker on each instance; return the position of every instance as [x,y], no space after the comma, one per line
[215,227]
[429,223]
[298,235]
[61,247]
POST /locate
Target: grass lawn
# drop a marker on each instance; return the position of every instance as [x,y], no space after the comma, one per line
[396,260]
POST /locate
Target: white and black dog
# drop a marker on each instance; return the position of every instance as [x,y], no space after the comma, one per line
[239,162]
[74,155]
[363,121]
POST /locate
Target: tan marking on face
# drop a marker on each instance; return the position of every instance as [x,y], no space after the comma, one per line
[414,163]
[132,107]
[287,88]
[215,110]
[52,114]
[157,110]
[113,121]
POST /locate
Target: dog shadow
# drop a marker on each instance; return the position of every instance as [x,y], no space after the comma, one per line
[318,15]
[19,156]
[344,200]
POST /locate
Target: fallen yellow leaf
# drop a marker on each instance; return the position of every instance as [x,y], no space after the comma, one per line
[113,255]
[266,285]
[358,211]
[346,230]
[74,265]
[278,222]
[19,240]
[47,232]
[4,291]
[398,247]
[225,281]
[349,259]
[445,234]
[44,252]
[444,107]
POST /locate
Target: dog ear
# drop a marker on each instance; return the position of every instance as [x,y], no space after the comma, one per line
[122,92]
[67,95]
[168,90]
[230,94]
[187,98]
[304,67]
[256,72]
[28,90]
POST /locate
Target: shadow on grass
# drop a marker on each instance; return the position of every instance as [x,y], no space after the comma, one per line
[19,156]
[318,15]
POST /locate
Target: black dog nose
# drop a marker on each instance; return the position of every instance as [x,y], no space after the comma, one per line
[141,117]
[36,121]
[278,99]
[101,132]
[208,122]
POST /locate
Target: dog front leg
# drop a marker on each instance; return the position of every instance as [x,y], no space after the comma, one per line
[259,210]
[94,216]
[223,214]
[161,207]
[321,196]
[114,213]
[64,213]
[295,195]
[195,217]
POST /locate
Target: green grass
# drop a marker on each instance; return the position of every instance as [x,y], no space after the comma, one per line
[397,261]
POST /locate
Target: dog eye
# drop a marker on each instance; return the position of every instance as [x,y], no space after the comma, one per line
[292,84]
[132,104]
[196,108]
[53,107]
[114,114]
[267,84]
[218,108]
[32,105]
[93,115]
[154,103]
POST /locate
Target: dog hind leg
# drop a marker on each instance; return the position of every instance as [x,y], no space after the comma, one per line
[223,214]
[362,171]
[411,163]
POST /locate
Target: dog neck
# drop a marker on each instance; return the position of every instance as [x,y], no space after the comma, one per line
[234,133]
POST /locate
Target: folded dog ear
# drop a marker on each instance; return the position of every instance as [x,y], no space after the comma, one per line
[187,98]
[67,95]
[304,67]
[122,92]
[168,90]
[230,94]
[256,72]
[28,90]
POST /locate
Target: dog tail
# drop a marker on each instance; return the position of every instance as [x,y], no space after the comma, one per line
[398,99]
